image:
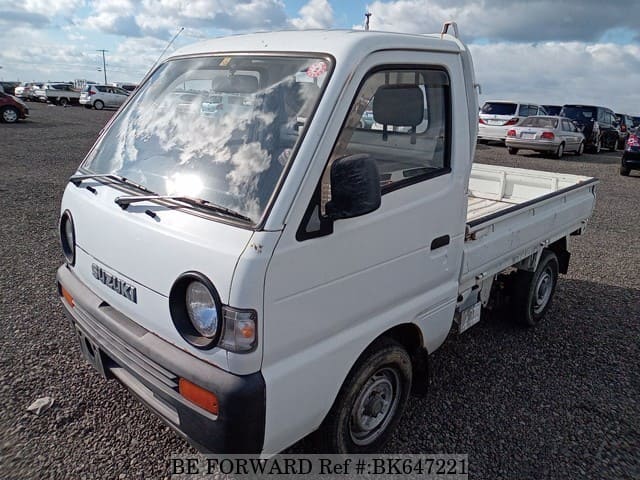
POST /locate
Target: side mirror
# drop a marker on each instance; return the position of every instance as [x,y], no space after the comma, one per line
[355,187]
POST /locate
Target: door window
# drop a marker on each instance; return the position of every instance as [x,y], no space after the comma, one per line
[400,118]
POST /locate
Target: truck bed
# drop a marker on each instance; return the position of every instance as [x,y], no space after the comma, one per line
[511,212]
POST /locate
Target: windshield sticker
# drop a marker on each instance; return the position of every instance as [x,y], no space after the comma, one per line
[316,70]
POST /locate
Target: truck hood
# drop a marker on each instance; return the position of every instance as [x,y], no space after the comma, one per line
[149,253]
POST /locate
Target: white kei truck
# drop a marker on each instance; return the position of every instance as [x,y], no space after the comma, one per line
[283,269]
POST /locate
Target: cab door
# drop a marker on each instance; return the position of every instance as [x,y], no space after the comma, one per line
[332,287]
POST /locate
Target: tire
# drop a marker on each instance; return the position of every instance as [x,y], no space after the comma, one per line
[9,115]
[534,290]
[560,151]
[98,104]
[380,381]
[580,149]
[63,102]
[512,151]
[624,171]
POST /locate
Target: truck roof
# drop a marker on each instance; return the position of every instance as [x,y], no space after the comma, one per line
[341,44]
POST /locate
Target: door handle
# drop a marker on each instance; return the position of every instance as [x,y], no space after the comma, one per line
[439,242]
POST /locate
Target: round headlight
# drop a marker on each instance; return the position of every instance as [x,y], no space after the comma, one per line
[68,237]
[196,310]
[202,309]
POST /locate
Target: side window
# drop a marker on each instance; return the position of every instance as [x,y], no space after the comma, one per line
[524,111]
[566,126]
[409,129]
[400,117]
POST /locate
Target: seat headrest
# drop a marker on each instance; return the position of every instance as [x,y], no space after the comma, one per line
[238,84]
[398,105]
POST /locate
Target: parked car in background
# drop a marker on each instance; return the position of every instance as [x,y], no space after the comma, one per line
[9,87]
[12,109]
[549,134]
[32,95]
[625,125]
[23,90]
[58,93]
[553,110]
[498,117]
[631,154]
[598,124]
[636,121]
[101,96]
[129,87]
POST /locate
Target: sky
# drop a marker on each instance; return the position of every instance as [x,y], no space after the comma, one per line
[543,51]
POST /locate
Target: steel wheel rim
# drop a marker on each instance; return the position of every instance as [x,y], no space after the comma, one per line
[375,406]
[542,291]
[9,115]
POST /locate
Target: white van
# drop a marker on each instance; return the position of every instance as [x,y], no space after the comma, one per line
[277,271]
[498,117]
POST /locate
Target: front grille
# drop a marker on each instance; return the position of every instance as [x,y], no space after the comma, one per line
[123,353]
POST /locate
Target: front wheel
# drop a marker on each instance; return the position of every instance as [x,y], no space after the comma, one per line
[534,290]
[370,402]
[512,151]
[10,115]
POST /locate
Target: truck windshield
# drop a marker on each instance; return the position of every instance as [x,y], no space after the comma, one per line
[219,128]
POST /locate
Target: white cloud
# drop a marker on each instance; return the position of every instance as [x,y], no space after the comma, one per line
[315,14]
[510,20]
[561,72]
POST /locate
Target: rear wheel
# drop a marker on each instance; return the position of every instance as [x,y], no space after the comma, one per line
[512,151]
[560,151]
[370,402]
[63,102]
[10,115]
[98,104]
[580,149]
[534,290]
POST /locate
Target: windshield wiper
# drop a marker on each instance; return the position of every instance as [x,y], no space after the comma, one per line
[77,180]
[124,202]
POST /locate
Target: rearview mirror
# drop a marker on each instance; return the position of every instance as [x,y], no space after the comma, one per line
[355,187]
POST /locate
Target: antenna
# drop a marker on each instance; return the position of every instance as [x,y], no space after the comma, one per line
[366,22]
[167,47]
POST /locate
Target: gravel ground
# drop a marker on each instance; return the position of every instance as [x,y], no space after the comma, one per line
[559,401]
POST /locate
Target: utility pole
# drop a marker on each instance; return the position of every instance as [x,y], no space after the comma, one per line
[104,65]
[366,22]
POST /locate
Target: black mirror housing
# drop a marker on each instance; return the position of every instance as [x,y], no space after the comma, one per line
[355,187]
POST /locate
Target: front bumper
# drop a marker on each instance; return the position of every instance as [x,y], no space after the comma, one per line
[150,368]
[631,159]
[537,145]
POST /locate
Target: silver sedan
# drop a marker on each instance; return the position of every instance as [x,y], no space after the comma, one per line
[555,135]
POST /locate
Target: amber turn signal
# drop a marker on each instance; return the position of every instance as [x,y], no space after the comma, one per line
[198,395]
[67,296]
